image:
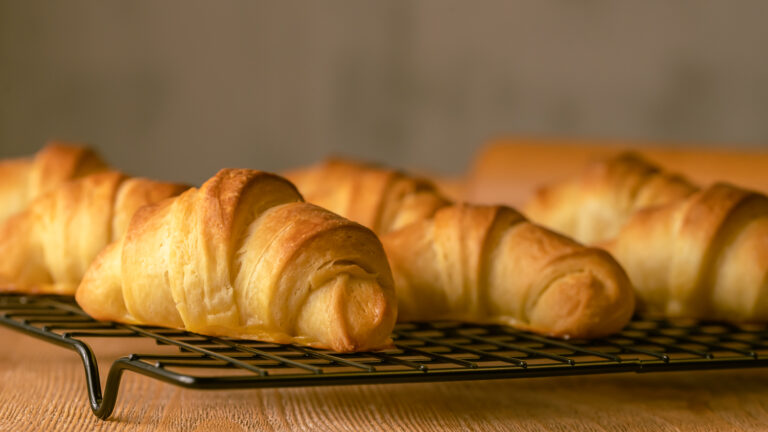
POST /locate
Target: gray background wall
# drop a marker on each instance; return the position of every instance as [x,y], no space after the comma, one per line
[178,89]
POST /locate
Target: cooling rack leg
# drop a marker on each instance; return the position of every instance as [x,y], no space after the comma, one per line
[91,367]
[104,407]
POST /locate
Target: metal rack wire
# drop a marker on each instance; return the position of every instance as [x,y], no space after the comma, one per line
[423,352]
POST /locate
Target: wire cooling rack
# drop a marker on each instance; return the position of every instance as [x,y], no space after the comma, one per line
[441,351]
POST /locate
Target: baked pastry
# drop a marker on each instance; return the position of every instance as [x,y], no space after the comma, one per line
[244,256]
[47,247]
[478,263]
[383,199]
[703,257]
[595,205]
[24,179]
[488,264]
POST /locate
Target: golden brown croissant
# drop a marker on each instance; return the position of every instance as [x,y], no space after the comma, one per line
[702,257]
[380,198]
[24,179]
[47,247]
[593,207]
[477,263]
[244,256]
[489,264]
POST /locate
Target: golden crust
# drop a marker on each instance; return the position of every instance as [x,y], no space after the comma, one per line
[592,207]
[59,162]
[14,178]
[380,198]
[244,256]
[488,264]
[24,179]
[51,243]
[474,263]
[703,257]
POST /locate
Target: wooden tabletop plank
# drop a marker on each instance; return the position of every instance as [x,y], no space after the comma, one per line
[42,387]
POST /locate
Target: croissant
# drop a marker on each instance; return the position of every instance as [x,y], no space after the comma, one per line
[489,264]
[703,257]
[594,206]
[478,263]
[379,198]
[24,179]
[244,256]
[47,247]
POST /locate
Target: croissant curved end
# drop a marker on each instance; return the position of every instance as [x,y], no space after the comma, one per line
[100,292]
[585,301]
[349,313]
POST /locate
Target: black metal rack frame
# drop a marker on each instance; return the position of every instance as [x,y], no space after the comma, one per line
[444,351]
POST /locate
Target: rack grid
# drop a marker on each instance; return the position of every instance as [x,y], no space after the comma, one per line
[422,352]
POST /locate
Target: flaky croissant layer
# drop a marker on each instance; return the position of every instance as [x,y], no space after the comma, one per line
[244,256]
[380,198]
[474,263]
[24,179]
[704,257]
[48,246]
[594,206]
[488,264]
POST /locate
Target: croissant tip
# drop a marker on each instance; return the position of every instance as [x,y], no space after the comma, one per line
[584,304]
[369,320]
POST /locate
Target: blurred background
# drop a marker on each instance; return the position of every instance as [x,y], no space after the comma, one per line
[178,89]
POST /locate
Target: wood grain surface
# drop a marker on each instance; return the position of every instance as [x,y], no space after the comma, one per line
[42,387]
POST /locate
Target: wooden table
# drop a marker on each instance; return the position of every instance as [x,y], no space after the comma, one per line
[42,387]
